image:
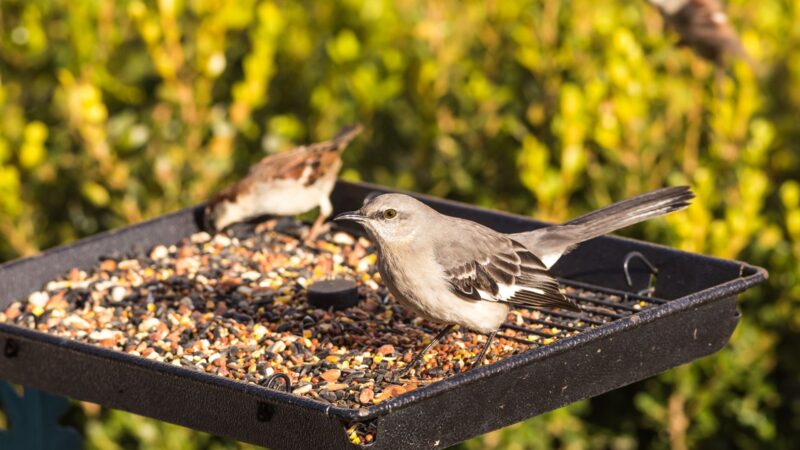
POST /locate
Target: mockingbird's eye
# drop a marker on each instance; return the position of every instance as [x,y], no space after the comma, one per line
[389,214]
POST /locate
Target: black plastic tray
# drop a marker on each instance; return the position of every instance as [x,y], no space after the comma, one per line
[697,320]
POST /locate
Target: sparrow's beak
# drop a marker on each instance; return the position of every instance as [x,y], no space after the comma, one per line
[354,216]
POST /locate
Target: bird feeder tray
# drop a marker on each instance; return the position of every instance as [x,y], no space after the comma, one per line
[690,312]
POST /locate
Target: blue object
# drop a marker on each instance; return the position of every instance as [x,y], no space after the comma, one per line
[33,421]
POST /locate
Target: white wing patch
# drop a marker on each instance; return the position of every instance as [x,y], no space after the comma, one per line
[552,258]
[505,292]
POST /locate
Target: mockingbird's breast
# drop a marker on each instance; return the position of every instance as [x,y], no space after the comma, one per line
[424,289]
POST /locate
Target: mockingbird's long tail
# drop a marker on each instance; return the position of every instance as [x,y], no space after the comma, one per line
[550,243]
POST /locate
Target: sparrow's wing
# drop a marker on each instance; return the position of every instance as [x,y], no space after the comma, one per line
[710,21]
[704,26]
[492,267]
[303,162]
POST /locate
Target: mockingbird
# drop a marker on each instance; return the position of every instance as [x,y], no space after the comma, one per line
[458,272]
[285,184]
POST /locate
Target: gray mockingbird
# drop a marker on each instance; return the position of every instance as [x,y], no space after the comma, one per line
[457,272]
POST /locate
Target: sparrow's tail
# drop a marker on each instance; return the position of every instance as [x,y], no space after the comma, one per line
[550,243]
[340,141]
[348,133]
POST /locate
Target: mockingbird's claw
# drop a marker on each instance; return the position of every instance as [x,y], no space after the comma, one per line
[403,371]
[396,376]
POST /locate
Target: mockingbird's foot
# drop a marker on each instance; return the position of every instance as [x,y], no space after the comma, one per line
[397,375]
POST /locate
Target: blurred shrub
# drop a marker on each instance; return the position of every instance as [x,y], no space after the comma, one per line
[115,111]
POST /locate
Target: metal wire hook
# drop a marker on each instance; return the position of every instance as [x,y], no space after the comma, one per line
[269,383]
[653,272]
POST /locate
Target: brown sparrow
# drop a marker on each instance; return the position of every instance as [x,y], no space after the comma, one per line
[704,27]
[284,184]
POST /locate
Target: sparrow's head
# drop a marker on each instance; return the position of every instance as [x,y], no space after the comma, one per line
[391,218]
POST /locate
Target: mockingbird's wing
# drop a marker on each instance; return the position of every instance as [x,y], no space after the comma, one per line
[481,264]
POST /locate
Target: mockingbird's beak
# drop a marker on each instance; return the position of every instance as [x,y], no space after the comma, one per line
[354,216]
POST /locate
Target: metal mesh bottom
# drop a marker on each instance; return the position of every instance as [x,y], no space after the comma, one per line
[537,326]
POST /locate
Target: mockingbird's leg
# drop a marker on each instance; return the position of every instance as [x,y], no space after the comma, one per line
[479,359]
[419,356]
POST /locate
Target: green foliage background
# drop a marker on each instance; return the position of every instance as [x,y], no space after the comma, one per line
[115,111]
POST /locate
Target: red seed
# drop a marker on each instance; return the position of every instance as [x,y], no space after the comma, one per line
[386,349]
[331,375]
